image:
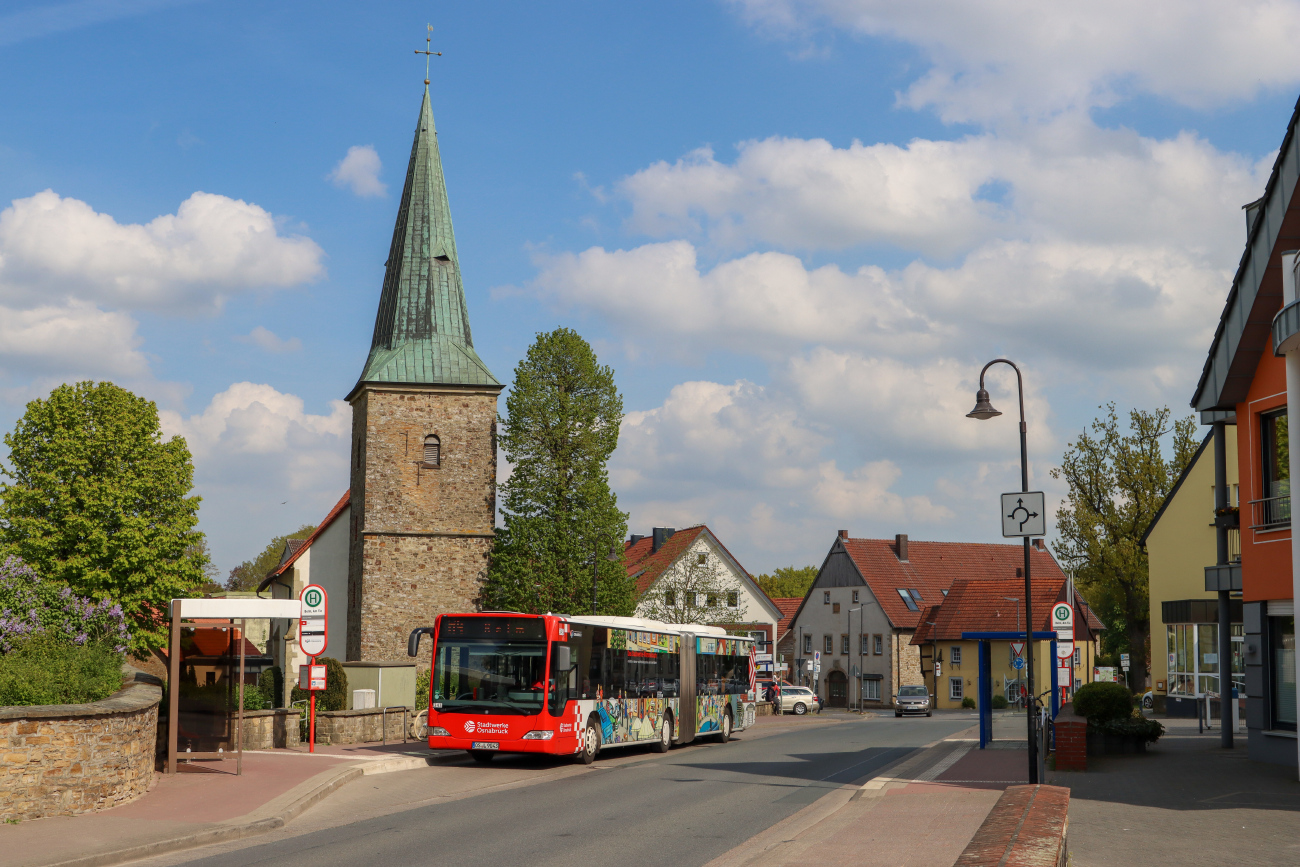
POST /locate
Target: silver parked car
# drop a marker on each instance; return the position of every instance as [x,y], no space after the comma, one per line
[796,699]
[912,699]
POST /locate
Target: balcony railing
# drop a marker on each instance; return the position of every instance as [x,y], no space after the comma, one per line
[1270,513]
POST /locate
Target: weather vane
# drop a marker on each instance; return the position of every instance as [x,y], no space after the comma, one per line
[428,52]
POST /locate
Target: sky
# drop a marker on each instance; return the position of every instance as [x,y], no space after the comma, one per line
[796,229]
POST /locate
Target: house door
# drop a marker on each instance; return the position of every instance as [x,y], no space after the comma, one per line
[837,685]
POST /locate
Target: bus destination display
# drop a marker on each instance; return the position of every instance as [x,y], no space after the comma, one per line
[493,627]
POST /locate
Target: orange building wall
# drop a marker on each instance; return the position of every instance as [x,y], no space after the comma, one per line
[1265,557]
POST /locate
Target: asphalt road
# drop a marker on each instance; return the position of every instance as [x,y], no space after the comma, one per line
[681,809]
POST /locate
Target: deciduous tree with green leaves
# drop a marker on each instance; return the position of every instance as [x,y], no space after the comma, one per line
[561,518]
[247,575]
[694,591]
[100,501]
[1116,482]
[787,582]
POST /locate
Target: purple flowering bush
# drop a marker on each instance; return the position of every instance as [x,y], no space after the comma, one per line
[56,647]
[30,607]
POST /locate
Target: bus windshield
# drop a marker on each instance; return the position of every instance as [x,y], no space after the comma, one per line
[480,668]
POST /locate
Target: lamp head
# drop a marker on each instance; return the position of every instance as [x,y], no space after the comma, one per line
[983,409]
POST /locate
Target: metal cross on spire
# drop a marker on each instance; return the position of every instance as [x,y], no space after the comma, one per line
[428,52]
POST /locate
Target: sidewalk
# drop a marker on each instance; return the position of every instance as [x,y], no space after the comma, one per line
[1186,801]
[204,802]
[918,813]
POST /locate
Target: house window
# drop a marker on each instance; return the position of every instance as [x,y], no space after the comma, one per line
[916,594]
[733,599]
[701,559]
[865,641]
[826,597]
[835,609]
[828,644]
[855,596]
[954,655]
[712,600]
[1076,657]
[670,598]
[871,690]
[432,451]
[844,644]
[879,646]
[807,644]
[907,599]
[1276,508]
[955,688]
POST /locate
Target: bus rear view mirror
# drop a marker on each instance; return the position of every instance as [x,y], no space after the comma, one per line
[413,641]
[563,658]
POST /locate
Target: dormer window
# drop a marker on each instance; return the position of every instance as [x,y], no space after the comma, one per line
[432,451]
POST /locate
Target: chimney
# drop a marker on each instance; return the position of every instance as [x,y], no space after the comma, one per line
[844,534]
[634,538]
[900,546]
[660,535]
[1040,544]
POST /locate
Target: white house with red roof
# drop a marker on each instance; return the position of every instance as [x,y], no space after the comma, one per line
[867,603]
[321,558]
[655,561]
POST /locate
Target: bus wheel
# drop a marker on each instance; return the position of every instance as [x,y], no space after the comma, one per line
[724,734]
[590,743]
[665,735]
[481,756]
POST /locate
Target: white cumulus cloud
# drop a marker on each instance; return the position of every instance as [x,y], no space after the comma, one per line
[74,340]
[212,247]
[264,338]
[359,172]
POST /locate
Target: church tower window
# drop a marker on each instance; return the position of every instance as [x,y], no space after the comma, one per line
[432,451]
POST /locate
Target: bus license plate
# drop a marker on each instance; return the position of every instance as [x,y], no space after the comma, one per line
[486,745]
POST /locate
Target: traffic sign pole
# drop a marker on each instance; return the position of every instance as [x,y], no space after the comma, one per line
[313,638]
[311,725]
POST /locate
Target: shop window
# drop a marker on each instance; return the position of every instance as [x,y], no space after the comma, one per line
[955,685]
[1281,639]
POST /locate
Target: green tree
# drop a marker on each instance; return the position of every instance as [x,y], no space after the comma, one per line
[561,518]
[99,501]
[247,575]
[787,582]
[1116,484]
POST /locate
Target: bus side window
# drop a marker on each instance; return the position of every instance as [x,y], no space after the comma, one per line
[596,670]
[617,673]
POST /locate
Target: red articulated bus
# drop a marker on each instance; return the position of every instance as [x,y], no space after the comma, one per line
[531,683]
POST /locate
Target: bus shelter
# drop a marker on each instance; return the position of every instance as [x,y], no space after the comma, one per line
[198,712]
[984,694]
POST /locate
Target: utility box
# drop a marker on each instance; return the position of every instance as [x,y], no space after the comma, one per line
[363,698]
[392,682]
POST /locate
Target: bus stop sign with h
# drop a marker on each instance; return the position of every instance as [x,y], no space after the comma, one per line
[313,638]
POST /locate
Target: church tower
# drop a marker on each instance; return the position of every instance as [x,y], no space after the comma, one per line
[424,415]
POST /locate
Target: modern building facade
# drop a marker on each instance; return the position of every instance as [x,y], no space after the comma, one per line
[1250,378]
[1180,541]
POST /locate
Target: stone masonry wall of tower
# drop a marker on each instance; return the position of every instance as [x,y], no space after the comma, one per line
[421,536]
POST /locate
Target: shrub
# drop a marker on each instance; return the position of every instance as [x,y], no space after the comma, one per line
[1138,727]
[270,683]
[968,702]
[335,694]
[46,670]
[999,702]
[1103,702]
[422,690]
[31,606]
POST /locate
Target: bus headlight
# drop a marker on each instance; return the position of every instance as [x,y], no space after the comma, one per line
[539,736]
[438,732]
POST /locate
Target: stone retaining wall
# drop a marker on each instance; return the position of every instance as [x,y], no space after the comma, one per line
[271,729]
[59,760]
[358,726]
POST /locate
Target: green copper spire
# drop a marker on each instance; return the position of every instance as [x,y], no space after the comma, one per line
[422,330]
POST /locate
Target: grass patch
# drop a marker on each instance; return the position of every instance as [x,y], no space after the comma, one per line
[44,670]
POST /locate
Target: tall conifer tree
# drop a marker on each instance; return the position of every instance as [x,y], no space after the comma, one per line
[561,518]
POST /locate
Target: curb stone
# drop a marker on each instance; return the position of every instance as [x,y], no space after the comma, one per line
[276,813]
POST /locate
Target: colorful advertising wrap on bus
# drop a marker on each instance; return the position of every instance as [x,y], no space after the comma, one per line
[577,685]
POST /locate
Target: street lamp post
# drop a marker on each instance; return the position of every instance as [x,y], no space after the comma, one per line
[984,410]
